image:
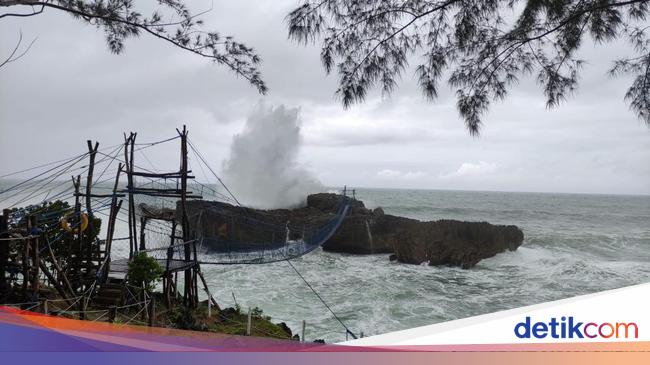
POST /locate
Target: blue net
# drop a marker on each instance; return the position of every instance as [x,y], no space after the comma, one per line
[227,234]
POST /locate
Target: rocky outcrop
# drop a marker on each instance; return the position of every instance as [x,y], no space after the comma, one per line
[456,243]
[443,242]
[366,231]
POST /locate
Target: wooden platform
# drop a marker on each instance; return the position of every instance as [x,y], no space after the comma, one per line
[122,265]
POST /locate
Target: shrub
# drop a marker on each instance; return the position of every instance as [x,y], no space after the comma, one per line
[144,271]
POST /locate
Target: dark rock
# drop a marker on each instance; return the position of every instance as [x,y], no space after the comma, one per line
[444,242]
[456,243]
[365,231]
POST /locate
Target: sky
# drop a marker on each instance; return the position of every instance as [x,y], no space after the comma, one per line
[70,88]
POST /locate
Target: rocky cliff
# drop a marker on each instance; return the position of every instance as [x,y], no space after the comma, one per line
[365,231]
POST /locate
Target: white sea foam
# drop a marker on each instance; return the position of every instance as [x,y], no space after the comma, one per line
[373,295]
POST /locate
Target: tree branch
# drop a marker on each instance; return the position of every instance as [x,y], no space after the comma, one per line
[148,28]
[401,29]
[22,14]
[12,56]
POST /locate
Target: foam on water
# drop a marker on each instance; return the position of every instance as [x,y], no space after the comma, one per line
[575,244]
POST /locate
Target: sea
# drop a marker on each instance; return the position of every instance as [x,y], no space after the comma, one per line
[574,244]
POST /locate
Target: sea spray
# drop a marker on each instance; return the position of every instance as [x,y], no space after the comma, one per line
[262,170]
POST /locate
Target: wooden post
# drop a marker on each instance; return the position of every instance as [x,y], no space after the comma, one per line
[4,252]
[209,306]
[207,290]
[190,283]
[169,280]
[109,240]
[195,284]
[78,259]
[45,307]
[170,255]
[128,164]
[176,284]
[25,257]
[92,152]
[112,216]
[32,225]
[131,198]
[129,188]
[54,282]
[152,311]
[62,276]
[302,337]
[143,223]
[248,325]
[112,312]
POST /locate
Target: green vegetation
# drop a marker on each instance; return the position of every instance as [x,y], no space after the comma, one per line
[231,321]
[144,272]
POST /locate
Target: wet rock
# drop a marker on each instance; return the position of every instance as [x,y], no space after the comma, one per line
[455,243]
[365,231]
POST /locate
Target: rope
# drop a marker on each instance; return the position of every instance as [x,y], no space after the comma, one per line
[55,175]
[347,330]
[150,144]
[198,154]
[33,178]
[100,317]
[19,238]
[16,304]
[38,167]
[146,303]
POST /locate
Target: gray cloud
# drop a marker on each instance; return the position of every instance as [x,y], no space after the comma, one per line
[70,88]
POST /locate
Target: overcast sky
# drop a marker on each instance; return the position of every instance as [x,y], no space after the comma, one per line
[69,88]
